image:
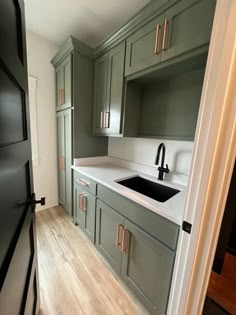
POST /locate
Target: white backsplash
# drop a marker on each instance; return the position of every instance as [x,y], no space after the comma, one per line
[140,154]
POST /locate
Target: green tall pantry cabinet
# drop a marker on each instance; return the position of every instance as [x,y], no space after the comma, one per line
[74,68]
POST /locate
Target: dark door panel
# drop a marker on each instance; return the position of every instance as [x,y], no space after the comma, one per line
[18,258]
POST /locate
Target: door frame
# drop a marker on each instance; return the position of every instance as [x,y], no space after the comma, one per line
[212,165]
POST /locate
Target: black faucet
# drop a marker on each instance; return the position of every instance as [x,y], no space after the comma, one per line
[161,168]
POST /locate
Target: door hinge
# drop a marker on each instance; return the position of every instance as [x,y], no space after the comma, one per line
[187,227]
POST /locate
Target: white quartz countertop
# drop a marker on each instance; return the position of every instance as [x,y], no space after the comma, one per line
[108,174]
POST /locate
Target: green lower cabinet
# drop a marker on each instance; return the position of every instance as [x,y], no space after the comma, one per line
[144,263]
[147,268]
[107,223]
[84,211]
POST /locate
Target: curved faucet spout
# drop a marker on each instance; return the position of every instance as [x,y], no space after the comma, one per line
[161,168]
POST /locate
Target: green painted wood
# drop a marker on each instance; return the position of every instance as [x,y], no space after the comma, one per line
[85,143]
[77,213]
[107,221]
[189,26]
[85,218]
[162,229]
[61,152]
[64,139]
[171,110]
[72,44]
[63,82]
[59,83]
[109,74]
[85,182]
[147,267]
[100,92]
[140,53]
[150,11]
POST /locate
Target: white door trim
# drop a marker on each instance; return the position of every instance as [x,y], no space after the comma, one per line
[212,165]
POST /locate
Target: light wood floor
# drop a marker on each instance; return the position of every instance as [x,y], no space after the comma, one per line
[222,288]
[73,278]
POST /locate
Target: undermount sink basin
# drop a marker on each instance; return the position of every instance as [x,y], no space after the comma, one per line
[150,189]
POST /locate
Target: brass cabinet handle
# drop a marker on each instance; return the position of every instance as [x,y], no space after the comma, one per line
[106,119]
[118,243]
[123,247]
[84,202]
[62,97]
[82,182]
[61,163]
[80,206]
[164,35]
[102,120]
[157,39]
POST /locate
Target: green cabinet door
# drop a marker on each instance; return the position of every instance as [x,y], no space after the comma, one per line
[63,84]
[100,93]
[147,268]
[108,94]
[144,46]
[84,211]
[188,27]
[107,223]
[64,140]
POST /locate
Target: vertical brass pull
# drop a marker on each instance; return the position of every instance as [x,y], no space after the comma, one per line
[61,163]
[84,202]
[102,120]
[106,119]
[123,247]
[118,243]
[157,39]
[58,98]
[80,206]
[62,97]
[164,35]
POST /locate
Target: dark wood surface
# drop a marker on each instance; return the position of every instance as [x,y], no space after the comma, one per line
[227,232]
[18,254]
[222,288]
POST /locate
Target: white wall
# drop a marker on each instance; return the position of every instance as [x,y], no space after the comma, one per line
[143,153]
[40,51]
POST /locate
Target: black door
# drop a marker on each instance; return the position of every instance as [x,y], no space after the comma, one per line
[18,255]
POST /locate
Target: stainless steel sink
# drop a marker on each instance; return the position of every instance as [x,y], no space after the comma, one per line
[150,189]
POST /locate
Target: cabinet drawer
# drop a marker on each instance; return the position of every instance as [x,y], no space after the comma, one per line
[162,229]
[85,182]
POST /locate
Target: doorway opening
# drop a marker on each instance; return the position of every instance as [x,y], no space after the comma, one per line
[221,292]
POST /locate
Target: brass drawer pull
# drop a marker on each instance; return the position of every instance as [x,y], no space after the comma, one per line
[157,39]
[82,182]
[164,35]
[123,247]
[84,202]
[106,119]
[102,120]
[118,243]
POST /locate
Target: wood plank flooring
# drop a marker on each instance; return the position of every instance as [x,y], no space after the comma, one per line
[222,288]
[73,278]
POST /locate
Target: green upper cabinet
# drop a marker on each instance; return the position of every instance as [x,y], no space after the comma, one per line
[147,267]
[100,92]
[187,26]
[182,28]
[108,91]
[63,84]
[144,47]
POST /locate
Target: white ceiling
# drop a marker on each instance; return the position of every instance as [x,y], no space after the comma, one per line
[88,20]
